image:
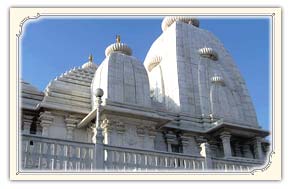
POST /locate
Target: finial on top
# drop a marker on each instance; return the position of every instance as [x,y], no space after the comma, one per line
[118,47]
[118,38]
[90,58]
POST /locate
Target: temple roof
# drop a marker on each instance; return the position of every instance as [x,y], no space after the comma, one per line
[71,90]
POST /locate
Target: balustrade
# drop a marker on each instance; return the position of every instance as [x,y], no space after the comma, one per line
[43,153]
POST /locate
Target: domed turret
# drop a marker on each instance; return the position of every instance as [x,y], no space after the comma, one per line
[89,64]
[118,47]
[122,77]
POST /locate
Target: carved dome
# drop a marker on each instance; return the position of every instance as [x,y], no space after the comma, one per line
[208,53]
[218,80]
[89,64]
[118,47]
[154,62]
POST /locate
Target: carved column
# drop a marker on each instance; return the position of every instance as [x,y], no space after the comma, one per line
[107,131]
[238,149]
[27,121]
[247,151]
[190,145]
[120,130]
[171,139]
[226,140]
[258,148]
[38,128]
[91,132]
[152,135]
[71,123]
[214,148]
[140,131]
[46,119]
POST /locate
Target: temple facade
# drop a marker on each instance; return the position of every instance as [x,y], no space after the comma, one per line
[185,107]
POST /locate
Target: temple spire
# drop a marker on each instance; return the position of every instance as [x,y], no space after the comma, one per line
[90,58]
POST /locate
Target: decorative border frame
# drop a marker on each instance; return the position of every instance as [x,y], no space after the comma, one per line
[272,170]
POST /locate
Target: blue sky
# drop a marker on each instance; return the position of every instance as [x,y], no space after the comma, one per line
[49,47]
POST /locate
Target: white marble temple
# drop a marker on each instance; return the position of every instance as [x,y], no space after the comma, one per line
[188,98]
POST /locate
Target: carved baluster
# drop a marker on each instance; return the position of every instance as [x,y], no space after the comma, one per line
[24,150]
[142,161]
[159,162]
[61,157]
[154,162]
[180,163]
[113,159]
[78,157]
[127,160]
[29,155]
[86,159]
[138,161]
[70,157]
[121,160]
[49,156]
[54,152]
[107,160]
[43,159]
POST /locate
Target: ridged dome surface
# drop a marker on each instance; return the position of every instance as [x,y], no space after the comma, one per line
[208,53]
[218,80]
[154,62]
[118,47]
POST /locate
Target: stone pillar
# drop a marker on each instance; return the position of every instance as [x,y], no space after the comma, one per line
[38,128]
[71,123]
[226,140]
[107,131]
[214,148]
[247,151]
[238,149]
[258,148]
[120,130]
[190,145]
[140,131]
[171,139]
[27,121]
[267,149]
[152,135]
[38,131]
[91,132]
[46,119]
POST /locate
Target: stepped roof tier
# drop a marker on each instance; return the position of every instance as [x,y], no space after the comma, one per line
[71,90]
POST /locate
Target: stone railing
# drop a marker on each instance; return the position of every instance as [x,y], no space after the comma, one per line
[235,164]
[127,159]
[43,153]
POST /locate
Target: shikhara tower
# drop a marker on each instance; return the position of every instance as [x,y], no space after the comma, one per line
[186,107]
